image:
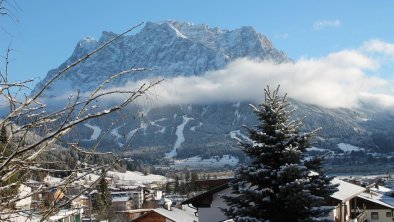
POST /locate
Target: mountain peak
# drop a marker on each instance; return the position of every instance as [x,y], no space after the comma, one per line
[170,48]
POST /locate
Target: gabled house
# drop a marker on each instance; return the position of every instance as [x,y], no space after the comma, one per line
[344,201]
[377,206]
[209,203]
[172,214]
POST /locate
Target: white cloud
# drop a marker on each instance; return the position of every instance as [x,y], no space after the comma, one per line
[378,46]
[321,24]
[340,79]
[337,80]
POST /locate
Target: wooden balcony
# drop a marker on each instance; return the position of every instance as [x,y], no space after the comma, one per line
[358,217]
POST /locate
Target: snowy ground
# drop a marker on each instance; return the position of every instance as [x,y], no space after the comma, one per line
[96,131]
[128,177]
[180,137]
[154,123]
[214,162]
[236,134]
[316,149]
[347,148]
[193,128]
[137,177]
[115,133]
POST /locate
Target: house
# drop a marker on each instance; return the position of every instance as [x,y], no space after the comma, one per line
[209,203]
[122,203]
[377,206]
[129,215]
[136,193]
[171,214]
[344,201]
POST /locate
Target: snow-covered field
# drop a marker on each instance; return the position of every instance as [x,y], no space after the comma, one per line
[316,149]
[137,177]
[128,177]
[347,148]
[197,162]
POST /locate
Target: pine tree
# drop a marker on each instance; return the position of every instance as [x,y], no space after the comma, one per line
[278,185]
[103,203]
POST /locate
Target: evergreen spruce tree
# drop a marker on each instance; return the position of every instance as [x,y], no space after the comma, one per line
[13,183]
[278,185]
[103,203]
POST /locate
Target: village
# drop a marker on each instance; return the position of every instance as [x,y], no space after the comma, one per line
[140,198]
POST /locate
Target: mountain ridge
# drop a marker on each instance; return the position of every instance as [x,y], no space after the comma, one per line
[166,51]
[173,49]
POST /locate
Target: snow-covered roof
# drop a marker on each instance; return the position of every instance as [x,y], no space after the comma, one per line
[177,215]
[382,189]
[378,198]
[346,190]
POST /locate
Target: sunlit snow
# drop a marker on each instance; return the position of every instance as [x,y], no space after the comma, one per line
[96,131]
[347,148]
[180,137]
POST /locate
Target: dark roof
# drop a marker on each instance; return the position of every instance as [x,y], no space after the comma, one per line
[205,199]
[211,183]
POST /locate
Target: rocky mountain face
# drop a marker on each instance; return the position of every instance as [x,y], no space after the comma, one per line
[172,49]
[168,49]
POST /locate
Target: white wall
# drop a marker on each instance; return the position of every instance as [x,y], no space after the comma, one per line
[214,214]
[382,216]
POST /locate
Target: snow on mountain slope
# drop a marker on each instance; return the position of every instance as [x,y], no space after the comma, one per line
[178,49]
[96,131]
[169,48]
[180,137]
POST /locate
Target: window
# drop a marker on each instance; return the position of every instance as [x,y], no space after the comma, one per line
[374,215]
[388,214]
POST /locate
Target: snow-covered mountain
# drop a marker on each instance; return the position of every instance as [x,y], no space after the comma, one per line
[168,48]
[182,131]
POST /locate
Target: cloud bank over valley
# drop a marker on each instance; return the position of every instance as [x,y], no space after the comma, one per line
[343,79]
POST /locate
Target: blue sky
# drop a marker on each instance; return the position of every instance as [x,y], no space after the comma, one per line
[47,31]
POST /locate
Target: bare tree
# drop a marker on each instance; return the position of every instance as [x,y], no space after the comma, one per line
[30,130]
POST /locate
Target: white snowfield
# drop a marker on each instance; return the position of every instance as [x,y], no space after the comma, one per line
[193,128]
[236,134]
[128,177]
[137,177]
[115,132]
[163,128]
[96,131]
[198,162]
[347,148]
[180,137]
[316,149]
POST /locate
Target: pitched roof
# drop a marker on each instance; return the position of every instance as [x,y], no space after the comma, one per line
[197,200]
[378,199]
[346,190]
[177,215]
